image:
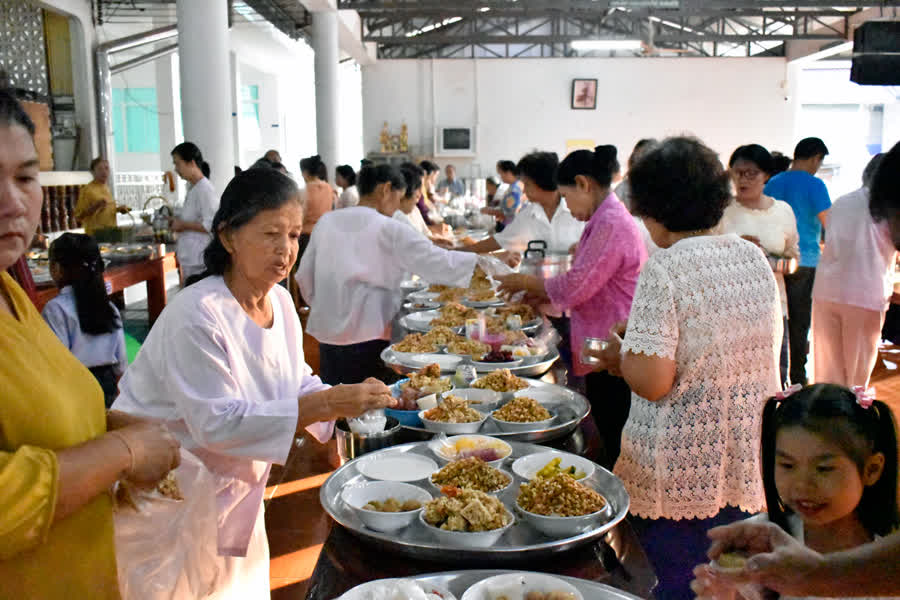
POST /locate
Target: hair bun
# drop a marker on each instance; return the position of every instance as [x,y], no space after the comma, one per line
[606,153]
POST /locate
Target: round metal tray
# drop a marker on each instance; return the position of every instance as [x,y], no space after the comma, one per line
[521,541]
[404,366]
[569,413]
[457,582]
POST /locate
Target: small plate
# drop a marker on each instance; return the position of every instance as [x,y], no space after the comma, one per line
[423,296]
[399,466]
[447,362]
[482,303]
[485,367]
[420,306]
[527,467]
[518,585]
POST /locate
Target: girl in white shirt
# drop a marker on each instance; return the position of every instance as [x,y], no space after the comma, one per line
[195,221]
[829,460]
[351,271]
[81,316]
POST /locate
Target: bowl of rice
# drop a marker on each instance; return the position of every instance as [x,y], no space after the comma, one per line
[522,414]
[561,507]
[502,381]
[472,474]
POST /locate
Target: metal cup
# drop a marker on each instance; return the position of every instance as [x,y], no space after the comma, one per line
[591,344]
[351,445]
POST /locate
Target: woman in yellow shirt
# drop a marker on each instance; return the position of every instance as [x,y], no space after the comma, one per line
[96,208]
[58,458]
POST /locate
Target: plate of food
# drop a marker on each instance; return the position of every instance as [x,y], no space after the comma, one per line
[523,586]
[491,450]
[496,359]
[447,526]
[462,346]
[386,505]
[420,305]
[424,382]
[548,464]
[447,362]
[451,294]
[482,298]
[415,343]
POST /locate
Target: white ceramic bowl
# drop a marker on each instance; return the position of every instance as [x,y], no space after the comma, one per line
[512,480]
[487,367]
[545,397]
[515,427]
[480,400]
[515,586]
[452,428]
[364,591]
[447,362]
[484,440]
[357,496]
[564,527]
[467,539]
[527,467]
[506,396]
[413,285]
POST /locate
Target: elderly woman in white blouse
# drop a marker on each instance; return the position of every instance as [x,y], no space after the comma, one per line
[224,368]
[700,355]
[351,273]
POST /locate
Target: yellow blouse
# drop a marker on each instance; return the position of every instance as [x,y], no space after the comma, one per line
[48,401]
[89,195]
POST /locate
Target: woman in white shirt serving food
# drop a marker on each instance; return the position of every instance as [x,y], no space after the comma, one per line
[223,367]
[194,223]
[351,272]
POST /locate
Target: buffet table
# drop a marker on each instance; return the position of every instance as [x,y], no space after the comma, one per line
[617,559]
[120,276]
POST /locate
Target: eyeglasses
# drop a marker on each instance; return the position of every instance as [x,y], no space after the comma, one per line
[746,173]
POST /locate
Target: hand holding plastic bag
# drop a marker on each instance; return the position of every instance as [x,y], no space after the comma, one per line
[166,548]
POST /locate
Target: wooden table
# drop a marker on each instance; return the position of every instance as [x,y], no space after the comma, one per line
[152,271]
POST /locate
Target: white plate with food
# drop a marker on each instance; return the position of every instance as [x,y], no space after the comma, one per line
[420,306]
[396,466]
[491,450]
[548,464]
[459,582]
[472,473]
[386,505]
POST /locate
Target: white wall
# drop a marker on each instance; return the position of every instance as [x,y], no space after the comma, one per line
[524,104]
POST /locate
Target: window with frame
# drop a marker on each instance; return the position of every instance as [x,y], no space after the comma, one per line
[251,136]
[135,118]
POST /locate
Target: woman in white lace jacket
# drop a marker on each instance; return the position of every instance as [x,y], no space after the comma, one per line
[700,354]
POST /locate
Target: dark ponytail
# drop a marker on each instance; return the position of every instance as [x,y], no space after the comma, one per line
[314,166]
[833,412]
[188,152]
[248,194]
[347,172]
[602,164]
[79,258]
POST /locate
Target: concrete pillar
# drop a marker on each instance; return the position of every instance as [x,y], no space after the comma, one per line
[325,45]
[203,53]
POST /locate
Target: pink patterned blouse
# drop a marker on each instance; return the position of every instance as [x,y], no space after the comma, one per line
[598,289]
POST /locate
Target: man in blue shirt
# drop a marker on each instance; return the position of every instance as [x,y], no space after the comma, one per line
[809,198]
[455,187]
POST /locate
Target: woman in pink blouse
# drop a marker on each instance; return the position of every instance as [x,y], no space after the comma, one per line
[598,289]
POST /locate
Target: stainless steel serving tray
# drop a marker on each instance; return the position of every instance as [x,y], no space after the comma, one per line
[570,411]
[403,366]
[457,582]
[521,541]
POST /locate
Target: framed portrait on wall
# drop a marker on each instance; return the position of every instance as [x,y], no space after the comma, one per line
[584,94]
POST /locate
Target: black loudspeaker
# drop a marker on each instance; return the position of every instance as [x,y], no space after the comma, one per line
[876,53]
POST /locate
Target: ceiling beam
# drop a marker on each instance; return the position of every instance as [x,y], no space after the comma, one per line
[668,38]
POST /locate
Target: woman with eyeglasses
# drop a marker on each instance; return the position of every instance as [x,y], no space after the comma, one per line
[768,223]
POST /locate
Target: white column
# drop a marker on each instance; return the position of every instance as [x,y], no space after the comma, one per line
[325,45]
[206,84]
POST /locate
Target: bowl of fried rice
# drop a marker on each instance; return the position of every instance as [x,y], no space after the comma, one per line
[452,415]
[561,507]
[473,474]
[522,414]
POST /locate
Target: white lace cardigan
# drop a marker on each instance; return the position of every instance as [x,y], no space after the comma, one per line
[711,304]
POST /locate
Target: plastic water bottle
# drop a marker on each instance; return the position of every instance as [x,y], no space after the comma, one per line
[465,375]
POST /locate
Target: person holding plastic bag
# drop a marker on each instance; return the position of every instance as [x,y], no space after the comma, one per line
[223,366]
[59,450]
